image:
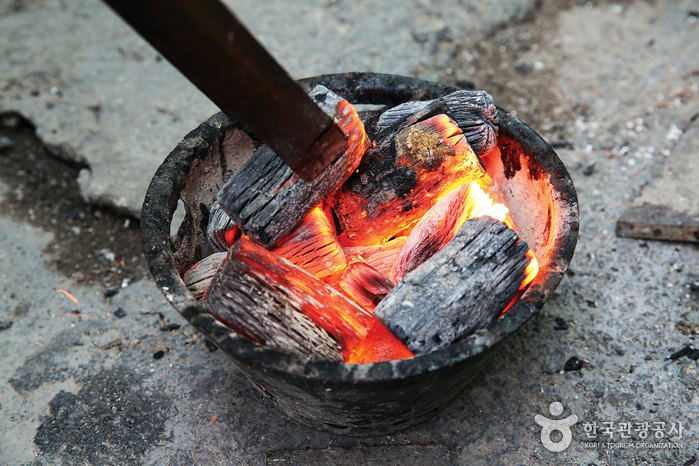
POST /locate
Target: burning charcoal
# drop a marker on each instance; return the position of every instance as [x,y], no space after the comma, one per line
[365,285]
[402,178]
[272,302]
[379,345]
[199,277]
[440,224]
[659,223]
[460,290]
[381,257]
[561,324]
[312,246]
[221,231]
[473,111]
[267,200]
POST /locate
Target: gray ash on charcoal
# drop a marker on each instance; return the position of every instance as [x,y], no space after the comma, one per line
[198,278]
[265,298]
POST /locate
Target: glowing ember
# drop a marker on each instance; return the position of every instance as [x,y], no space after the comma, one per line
[312,245]
[530,273]
[381,256]
[379,345]
[439,225]
[267,200]
[70,296]
[402,178]
[231,235]
[365,285]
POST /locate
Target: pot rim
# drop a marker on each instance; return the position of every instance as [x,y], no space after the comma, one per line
[169,180]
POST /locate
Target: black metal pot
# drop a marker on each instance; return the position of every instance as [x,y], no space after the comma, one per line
[363,399]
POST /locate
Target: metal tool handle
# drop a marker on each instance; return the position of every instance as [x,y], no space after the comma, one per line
[207,44]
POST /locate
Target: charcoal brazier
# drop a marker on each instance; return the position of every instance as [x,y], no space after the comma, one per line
[363,399]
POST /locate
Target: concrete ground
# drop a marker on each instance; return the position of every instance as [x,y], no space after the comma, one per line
[118,377]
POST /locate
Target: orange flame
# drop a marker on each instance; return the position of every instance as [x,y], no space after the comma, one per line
[529,274]
[440,223]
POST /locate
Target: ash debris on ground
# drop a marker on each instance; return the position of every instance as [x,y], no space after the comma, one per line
[113,419]
[92,244]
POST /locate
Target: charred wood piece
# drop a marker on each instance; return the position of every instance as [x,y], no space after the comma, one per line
[473,111]
[658,222]
[381,257]
[312,246]
[269,300]
[463,288]
[365,285]
[198,278]
[221,231]
[403,176]
[267,200]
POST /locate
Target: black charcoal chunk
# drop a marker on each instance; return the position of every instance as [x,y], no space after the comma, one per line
[460,290]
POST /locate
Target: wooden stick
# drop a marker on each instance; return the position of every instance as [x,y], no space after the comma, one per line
[463,288]
[658,222]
